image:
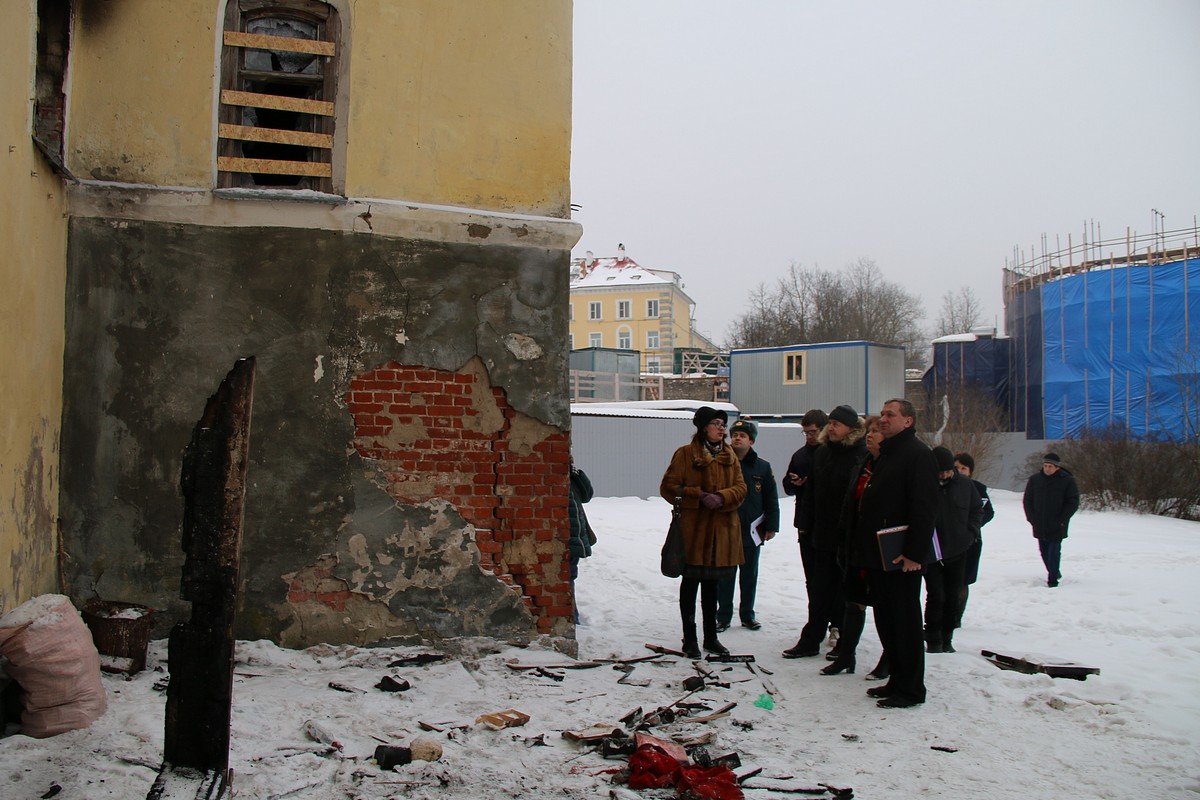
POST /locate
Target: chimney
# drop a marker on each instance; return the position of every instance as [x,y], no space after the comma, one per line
[589,258]
[621,252]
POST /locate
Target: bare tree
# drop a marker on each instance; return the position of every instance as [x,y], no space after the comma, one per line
[813,305]
[960,312]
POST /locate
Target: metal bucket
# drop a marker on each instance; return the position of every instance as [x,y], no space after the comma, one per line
[121,632]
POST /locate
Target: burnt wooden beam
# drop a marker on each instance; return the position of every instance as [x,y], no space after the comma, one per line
[200,651]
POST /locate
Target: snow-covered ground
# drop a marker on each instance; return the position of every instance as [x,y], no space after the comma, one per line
[1128,604]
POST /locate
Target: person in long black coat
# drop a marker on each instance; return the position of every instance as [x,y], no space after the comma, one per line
[965,464]
[958,519]
[760,504]
[580,543]
[795,481]
[902,492]
[835,465]
[1051,499]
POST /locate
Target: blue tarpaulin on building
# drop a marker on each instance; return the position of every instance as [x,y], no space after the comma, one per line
[1107,347]
[981,361]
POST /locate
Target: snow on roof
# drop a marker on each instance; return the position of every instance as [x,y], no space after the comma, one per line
[615,272]
[955,337]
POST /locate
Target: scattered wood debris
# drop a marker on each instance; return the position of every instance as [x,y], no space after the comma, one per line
[1031,664]
[509,718]
[418,660]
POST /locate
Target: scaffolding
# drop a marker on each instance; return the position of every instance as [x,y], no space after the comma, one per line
[1024,271]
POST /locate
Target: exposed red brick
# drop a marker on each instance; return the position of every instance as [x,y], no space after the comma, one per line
[507,496]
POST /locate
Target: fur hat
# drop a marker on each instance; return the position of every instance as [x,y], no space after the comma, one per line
[706,414]
[845,415]
[944,459]
[1052,458]
[745,426]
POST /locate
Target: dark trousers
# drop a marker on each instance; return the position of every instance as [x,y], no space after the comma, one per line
[897,602]
[943,594]
[574,575]
[826,599]
[1052,557]
[746,580]
[708,607]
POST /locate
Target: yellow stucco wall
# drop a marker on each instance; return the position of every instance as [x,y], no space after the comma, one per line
[32,272]
[473,101]
[451,102]
[141,94]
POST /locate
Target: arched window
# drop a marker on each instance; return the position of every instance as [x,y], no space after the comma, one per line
[278,79]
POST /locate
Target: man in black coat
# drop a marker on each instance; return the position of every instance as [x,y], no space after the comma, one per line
[762,500]
[1051,499]
[900,494]
[834,465]
[794,482]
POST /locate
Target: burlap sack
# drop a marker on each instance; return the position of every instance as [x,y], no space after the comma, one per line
[52,657]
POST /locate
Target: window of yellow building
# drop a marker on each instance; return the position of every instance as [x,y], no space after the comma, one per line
[624,338]
[594,311]
[278,78]
[652,310]
[624,309]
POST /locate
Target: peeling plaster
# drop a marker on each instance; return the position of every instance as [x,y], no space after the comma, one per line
[525,348]
[488,418]
[525,433]
[32,514]
[319,372]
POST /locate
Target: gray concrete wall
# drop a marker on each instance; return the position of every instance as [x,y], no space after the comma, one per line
[157,312]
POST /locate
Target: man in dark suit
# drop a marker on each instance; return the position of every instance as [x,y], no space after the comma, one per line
[900,494]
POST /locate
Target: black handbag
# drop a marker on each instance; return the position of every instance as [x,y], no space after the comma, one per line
[672,550]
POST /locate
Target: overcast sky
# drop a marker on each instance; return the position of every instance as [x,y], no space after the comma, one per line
[726,141]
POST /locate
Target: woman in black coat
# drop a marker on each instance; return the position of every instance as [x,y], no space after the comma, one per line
[957,527]
[965,464]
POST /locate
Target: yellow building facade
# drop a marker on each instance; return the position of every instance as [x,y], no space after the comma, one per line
[353,191]
[616,303]
[34,231]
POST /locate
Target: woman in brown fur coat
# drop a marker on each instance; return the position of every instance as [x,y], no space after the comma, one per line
[706,476]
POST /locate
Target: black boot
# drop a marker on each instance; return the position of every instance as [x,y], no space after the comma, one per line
[687,614]
[948,641]
[933,641]
[851,632]
[882,670]
[708,611]
[691,648]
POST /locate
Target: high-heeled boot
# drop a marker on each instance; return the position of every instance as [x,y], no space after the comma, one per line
[851,632]
[708,610]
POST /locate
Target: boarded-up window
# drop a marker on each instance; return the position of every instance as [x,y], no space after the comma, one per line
[278,77]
